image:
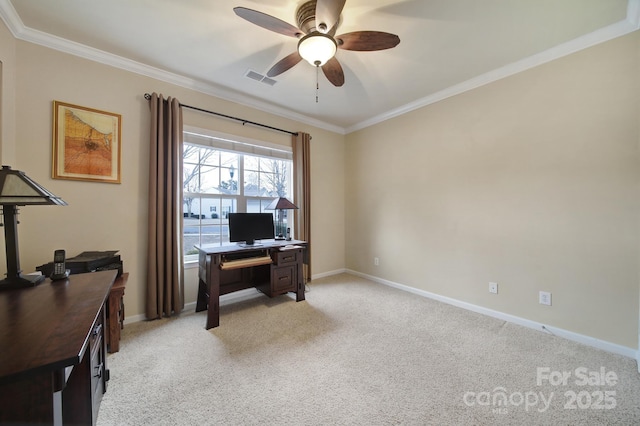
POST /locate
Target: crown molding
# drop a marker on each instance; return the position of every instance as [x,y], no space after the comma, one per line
[630,24]
[21,32]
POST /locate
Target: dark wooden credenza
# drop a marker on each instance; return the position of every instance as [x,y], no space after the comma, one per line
[274,268]
[53,367]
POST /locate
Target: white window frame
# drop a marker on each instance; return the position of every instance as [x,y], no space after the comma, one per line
[242,146]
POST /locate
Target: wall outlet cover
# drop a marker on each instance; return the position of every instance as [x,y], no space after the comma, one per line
[544,298]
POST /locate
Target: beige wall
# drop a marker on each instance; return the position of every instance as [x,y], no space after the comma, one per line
[530,182]
[103,216]
[7,91]
[7,106]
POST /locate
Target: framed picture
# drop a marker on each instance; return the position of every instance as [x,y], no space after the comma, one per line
[86,144]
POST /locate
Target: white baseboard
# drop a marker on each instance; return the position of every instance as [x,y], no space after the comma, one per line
[328,274]
[134,318]
[569,335]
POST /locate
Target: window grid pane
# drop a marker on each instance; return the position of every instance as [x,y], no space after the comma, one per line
[211,191]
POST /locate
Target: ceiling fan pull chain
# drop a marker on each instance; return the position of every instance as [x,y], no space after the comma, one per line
[317,84]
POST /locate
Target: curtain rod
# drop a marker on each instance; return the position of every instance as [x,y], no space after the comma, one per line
[148,97]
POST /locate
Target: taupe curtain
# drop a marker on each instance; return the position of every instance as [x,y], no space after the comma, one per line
[164,264]
[302,194]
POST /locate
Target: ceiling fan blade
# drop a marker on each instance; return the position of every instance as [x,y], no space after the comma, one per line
[327,13]
[367,40]
[267,21]
[284,64]
[333,71]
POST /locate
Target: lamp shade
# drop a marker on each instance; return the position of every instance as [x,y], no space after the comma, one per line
[281,203]
[317,48]
[18,189]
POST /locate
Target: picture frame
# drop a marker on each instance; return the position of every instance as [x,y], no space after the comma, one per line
[86,144]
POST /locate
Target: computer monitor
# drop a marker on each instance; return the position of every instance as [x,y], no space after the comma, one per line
[248,227]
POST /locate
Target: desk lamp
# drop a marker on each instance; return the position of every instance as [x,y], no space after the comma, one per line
[280,204]
[17,189]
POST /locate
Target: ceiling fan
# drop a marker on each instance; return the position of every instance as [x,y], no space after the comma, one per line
[317,22]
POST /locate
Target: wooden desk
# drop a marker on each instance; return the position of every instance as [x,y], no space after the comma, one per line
[53,359]
[270,268]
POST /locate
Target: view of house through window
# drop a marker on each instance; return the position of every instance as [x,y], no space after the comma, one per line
[222,176]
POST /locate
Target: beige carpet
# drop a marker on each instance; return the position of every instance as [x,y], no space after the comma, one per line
[359,353]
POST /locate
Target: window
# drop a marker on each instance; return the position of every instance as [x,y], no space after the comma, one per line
[223,174]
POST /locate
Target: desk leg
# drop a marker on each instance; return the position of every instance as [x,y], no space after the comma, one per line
[300,279]
[300,293]
[202,302]
[213,313]
[210,302]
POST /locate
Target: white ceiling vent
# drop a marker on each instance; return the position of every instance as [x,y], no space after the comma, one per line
[259,77]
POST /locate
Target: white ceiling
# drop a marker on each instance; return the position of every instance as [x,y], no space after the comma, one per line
[447,47]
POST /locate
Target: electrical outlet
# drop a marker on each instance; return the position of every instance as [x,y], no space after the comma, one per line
[493,288]
[376,261]
[545,298]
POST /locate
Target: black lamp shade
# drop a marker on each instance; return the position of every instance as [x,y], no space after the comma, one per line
[17,189]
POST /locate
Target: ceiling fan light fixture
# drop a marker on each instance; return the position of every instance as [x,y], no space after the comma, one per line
[317,48]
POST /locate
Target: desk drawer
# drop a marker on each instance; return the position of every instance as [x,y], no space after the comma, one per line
[97,367]
[288,257]
[283,279]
